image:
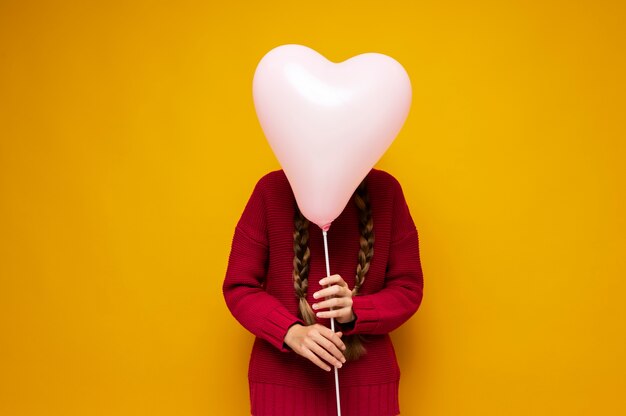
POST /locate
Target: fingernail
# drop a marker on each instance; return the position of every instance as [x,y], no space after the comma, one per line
[343,359]
[322,281]
[314,306]
[315,295]
[339,365]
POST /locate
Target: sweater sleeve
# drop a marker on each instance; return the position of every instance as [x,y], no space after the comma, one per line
[258,311]
[400,298]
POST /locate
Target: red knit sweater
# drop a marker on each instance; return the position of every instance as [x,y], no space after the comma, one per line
[259,291]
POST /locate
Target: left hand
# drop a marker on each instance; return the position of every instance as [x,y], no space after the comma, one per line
[338,296]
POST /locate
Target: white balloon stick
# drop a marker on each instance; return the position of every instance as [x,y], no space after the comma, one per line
[332,326]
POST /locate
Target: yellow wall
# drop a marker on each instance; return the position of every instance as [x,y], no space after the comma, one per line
[129,146]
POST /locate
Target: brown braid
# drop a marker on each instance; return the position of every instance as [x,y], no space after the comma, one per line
[301,265]
[366,225]
[354,343]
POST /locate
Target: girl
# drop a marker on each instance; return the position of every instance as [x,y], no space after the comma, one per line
[276,287]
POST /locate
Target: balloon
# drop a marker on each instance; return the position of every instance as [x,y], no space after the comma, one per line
[328,123]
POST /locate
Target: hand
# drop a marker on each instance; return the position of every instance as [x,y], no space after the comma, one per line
[337,295]
[316,342]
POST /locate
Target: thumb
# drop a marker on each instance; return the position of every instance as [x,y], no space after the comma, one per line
[339,333]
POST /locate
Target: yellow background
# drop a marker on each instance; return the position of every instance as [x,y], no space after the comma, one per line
[129,146]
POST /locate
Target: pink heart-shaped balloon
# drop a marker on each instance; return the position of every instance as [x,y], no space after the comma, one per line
[328,123]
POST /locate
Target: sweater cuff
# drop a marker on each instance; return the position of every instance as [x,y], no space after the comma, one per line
[367,317]
[279,323]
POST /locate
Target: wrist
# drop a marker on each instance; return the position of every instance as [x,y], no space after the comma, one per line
[350,320]
[290,331]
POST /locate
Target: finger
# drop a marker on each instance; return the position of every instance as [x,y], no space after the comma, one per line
[329,334]
[332,354]
[332,303]
[334,290]
[326,350]
[307,353]
[335,313]
[333,279]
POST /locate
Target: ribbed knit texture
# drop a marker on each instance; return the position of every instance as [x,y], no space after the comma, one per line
[259,291]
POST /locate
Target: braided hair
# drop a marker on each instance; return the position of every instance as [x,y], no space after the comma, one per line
[354,342]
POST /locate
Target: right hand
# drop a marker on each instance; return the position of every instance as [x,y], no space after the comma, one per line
[317,342]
